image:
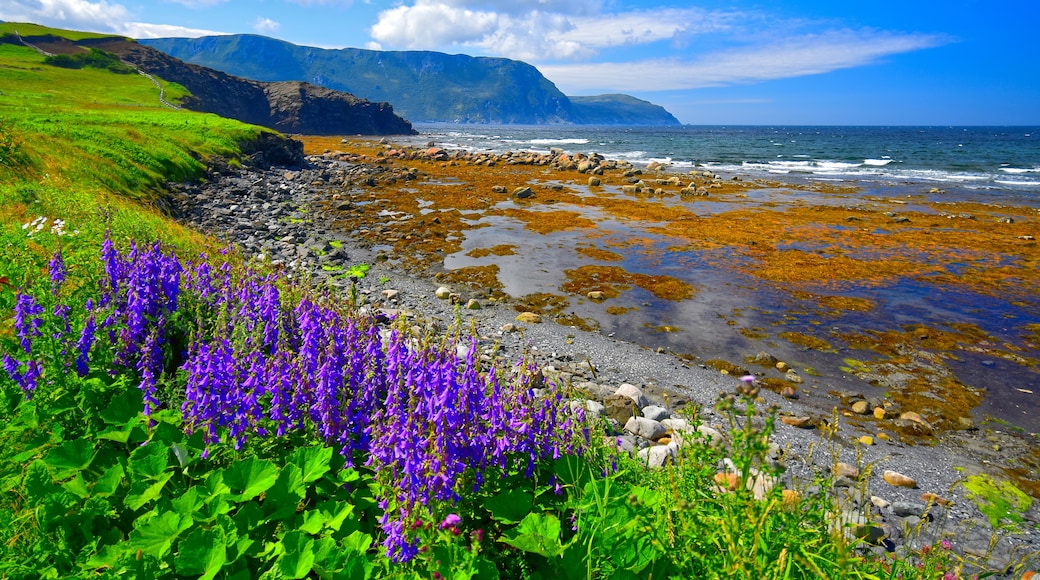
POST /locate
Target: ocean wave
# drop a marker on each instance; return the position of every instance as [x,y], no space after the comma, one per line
[546,141]
[1020,170]
[877,162]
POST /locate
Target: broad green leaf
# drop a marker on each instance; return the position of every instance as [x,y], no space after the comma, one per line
[77,486]
[286,493]
[109,481]
[70,457]
[38,481]
[148,461]
[510,506]
[336,512]
[538,533]
[312,521]
[156,534]
[202,552]
[358,542]
[167,429]
[142,492]
[250,477]
[187,503]
[298,558]
[313,461]
[129,433]
[123,407]
[249,517]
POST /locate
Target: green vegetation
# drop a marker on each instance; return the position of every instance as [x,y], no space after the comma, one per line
[1001,502]
[145,435]
[92,58]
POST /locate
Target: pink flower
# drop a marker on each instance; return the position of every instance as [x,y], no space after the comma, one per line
[450,521]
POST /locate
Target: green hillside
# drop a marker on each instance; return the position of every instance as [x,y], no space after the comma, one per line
[93,148]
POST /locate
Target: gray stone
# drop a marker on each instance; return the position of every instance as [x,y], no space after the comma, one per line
[655,413]
[645,428]
[632,392]
[907,508]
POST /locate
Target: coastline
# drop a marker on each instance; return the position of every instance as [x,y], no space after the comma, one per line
[307,240]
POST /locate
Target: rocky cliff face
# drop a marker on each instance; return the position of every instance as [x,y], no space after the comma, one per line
[424,86]
[290,107]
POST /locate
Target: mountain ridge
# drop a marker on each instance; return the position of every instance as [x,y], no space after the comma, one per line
[424,86]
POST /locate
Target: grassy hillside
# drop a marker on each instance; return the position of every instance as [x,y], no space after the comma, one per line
[92,148]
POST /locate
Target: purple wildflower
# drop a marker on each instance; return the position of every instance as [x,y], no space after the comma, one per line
[58,272]
[27,320]
[83,346]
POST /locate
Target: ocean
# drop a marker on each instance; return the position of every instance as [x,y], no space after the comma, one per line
[734,315]
[1000,160]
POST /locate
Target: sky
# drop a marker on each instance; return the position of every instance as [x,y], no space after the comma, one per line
[708,62]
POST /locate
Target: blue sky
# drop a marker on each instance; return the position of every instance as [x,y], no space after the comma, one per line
[807,62]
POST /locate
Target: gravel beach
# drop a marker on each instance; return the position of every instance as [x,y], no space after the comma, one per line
[274,215]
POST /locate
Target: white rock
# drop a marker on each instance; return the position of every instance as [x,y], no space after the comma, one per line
[645,428]
[656,456]
[592,408]
[633,392]
[443,293]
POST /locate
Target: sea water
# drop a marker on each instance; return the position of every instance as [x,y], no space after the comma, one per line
[992,165]
[998,160]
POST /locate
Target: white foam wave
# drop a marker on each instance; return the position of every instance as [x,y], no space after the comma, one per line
[1020,170]
[877,162]
[572,141]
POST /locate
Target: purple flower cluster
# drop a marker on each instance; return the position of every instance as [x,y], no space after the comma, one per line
[257,364]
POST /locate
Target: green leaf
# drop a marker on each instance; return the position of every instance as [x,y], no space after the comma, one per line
[148,461]
[156,535]
[77,486]
[298,558]
[123,407]
[109,481]
[336,512]
[130,432]
[202,552]
[142,492]
[358,542]
[38,481]
[187,503]
[537,533]
[510,506]
[286,493]
[70,457]
[313,461]
[250,477]
[311,522]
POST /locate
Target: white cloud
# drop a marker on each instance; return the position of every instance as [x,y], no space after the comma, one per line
[801,56]
[100,17]
[146,30]
[75,14]
[195,4]
[265,25]
[432,25]
[643,27]
[538,29]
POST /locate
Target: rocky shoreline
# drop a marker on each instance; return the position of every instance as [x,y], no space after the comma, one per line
[276,215]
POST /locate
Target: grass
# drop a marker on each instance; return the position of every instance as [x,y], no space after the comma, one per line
[91,486]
